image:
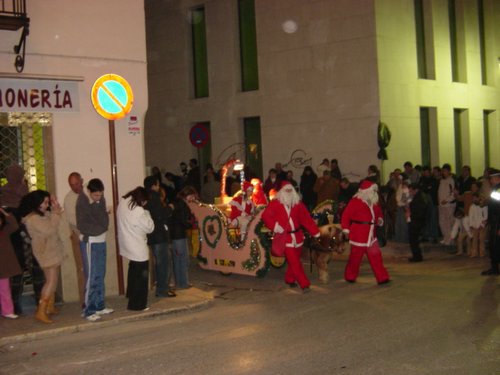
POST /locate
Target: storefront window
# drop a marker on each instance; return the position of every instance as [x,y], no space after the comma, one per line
[24,140]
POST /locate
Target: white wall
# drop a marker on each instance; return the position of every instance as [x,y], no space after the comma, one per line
[88,39]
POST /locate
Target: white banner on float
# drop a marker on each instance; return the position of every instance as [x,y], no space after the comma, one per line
[32,95]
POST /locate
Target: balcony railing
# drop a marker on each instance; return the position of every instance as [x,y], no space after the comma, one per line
[13,17]
[13,14]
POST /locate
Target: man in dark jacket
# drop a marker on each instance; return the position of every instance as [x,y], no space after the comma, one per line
[494,222]
[418,212]
[193,177]
[182,220]
[159,238]
[429,185]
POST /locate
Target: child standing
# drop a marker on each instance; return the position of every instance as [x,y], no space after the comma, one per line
[478,219]
[9,266]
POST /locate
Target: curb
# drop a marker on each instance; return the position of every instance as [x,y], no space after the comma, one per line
[83,327]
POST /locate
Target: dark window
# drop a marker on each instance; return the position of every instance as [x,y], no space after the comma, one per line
[200,63]
[248,46]
[253,144]
[486,135]
[457,41]
[424,35]
[482,42]
[425,135]
[205,152]
[458,124]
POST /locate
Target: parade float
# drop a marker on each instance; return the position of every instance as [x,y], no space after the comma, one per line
[223,248]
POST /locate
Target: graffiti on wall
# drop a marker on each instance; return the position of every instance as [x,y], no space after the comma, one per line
[298,159]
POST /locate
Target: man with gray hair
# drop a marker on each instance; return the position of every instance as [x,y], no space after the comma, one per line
[75,183]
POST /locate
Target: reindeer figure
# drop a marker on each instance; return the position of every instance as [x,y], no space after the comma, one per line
[331,240]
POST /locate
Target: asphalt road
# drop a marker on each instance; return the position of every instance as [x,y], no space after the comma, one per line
[436,317]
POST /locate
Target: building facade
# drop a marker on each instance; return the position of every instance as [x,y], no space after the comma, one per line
[295,81]
[55,130]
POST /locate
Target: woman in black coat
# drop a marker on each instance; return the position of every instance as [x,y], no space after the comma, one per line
[307,181]
[182,220]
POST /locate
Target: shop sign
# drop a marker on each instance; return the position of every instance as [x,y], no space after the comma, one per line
[32,95]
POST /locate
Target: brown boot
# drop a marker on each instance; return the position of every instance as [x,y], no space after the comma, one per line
[51,309]
[41,311]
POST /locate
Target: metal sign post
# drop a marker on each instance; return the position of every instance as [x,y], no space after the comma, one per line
[112,98]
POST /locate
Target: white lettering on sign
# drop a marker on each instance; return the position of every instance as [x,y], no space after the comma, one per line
[26,95]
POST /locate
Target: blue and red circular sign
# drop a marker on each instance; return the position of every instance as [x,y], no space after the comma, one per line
[112,96]
[199,135]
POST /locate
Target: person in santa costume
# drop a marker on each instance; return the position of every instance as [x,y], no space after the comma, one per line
[258,197]
[286,215]
[242,209]
[358,221]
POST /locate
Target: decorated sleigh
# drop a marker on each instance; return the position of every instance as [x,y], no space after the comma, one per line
[221,247]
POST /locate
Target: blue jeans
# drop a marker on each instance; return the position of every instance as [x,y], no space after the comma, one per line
[94,269]
[180,257]
[162,267]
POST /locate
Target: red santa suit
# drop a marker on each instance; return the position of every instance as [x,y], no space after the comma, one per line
[358,221]
[287,221]
[242,209]
[258,197]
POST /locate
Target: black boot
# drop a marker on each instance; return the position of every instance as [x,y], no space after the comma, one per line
[415,259]
[490,272]
[493,271]
[16,288]
[38,279]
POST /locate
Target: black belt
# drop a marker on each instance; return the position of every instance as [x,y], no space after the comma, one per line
[293,231]
[362,222]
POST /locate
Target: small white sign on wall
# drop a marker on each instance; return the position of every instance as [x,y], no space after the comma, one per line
[134,127]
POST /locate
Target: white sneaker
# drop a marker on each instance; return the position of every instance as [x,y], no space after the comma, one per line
[146,309]
[11,316]
[105,311]
[93,318]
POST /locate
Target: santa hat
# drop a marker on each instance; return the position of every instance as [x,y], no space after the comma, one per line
[255,182]
[272,194]
[247,185]
[366,184]
[285,183]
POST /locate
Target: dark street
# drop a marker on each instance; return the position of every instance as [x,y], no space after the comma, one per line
[436,317]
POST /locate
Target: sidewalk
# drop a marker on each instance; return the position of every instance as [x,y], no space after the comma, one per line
[69,320]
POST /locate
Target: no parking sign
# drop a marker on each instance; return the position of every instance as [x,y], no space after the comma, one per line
[112,96]
[199,135]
